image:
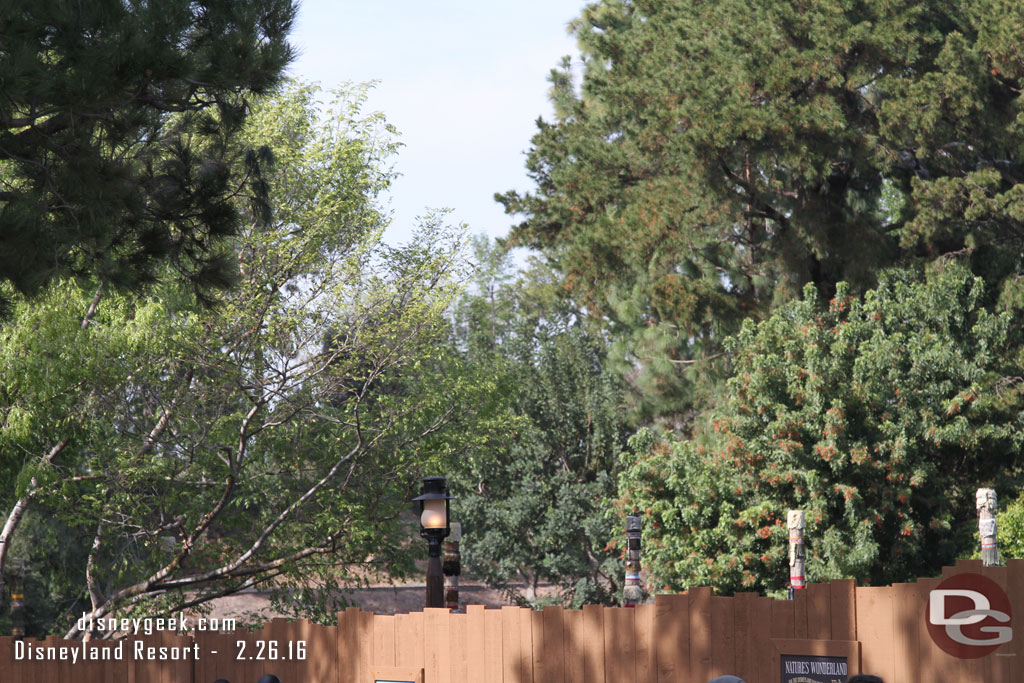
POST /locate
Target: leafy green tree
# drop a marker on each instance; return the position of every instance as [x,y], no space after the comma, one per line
[878,417]
[117,120]
[531,500]
[1010,529]
[196,451]
[714,159]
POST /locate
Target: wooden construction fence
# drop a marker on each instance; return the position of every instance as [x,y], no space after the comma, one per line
[687,638]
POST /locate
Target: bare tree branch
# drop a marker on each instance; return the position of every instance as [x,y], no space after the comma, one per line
[20,506]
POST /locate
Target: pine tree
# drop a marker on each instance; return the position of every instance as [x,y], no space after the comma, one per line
[117,121]
[717,157]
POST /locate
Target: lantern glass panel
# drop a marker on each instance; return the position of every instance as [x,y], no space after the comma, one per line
[433,516]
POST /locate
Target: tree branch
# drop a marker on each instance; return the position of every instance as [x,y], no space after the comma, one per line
[92,307]
[18,511]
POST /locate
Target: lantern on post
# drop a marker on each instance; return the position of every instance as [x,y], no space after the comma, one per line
[434,526]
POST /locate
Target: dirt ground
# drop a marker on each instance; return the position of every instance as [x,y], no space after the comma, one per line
[382,599]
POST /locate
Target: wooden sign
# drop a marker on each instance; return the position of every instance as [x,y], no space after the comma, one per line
[816,661]
[814,669]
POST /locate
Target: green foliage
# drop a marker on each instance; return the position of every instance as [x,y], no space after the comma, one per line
[531,500]
[199,451]
[118,123]
[879,417]
[715,159]
[1010,529]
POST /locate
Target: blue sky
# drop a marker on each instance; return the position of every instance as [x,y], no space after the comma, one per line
[463,81]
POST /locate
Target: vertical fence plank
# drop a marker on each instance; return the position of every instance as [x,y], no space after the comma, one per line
[512,651]
[643,627]
[281,632]
[325,662]
[907,610]
[86,671]
[744,643]
[252,666]
[409,640]
[800,613]
[216,659]
[672,638]
[843,609]
[700,633]
[619,646]
[784,618]
[874,630]
[145,669]
[383,640]
[474,647]
[553,640]
[723,636]
[760,634]
[182,669]
[23,670]
[364,635]
[20,669]
[593,643]
[199,670]
[289,631]
[526,643]
[996,666]
[255,667]
[572,623]
[346,646]
[27,669]
[436,645]
[61,670]
[933,663]
[819,611]
[297,634]
[116,671]
[64,668]
[329,642]
[494,648]
[8,671]
[964,669]
[20,672]
[459,647]
[1015,590]
[52,669]
[537,662]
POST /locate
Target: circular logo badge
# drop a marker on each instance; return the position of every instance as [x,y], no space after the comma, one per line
[968,616]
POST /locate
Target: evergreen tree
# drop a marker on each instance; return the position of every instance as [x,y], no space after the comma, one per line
[716,158]
[116,127]
[878,417]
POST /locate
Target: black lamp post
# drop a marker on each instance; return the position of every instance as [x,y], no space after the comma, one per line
[434,526]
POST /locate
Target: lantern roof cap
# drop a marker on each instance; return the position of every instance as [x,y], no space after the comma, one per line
[434,488]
